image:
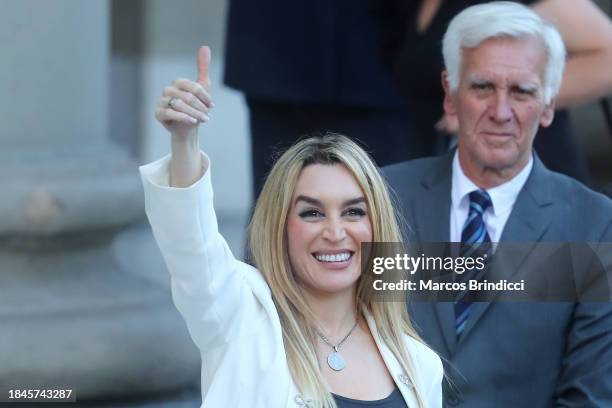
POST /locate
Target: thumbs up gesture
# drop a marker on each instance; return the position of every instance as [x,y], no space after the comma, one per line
[203,65]
[185,103]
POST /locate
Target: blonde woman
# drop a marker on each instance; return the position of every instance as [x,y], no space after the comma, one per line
[300,329]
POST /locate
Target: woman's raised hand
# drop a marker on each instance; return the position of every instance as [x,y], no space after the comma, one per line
[182,107]
[185,104]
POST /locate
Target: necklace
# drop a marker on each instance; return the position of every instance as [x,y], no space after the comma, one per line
[335,361]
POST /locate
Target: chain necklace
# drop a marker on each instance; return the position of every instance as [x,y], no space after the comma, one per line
[335,361]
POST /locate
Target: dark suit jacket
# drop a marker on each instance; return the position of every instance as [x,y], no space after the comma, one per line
[321,51]
[515,354]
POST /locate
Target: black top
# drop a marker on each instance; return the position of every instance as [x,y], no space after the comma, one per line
[416,61]
[394,400]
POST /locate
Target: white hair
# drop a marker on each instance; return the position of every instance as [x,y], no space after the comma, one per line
[498,19]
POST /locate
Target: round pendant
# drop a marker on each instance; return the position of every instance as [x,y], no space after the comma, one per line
[335,361]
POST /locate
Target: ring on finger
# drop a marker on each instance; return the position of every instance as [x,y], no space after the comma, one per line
[171,102]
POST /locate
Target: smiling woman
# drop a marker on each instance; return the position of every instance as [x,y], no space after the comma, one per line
[325,227]
[301,329]
[322,199]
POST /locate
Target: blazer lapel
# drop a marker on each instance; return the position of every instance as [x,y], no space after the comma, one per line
[532,213]
[432,218]
[394,367]
[530,218]
[432,207]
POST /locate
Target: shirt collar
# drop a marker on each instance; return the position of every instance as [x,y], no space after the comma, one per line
[502,196]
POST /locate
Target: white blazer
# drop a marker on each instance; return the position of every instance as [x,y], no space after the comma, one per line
[229,309]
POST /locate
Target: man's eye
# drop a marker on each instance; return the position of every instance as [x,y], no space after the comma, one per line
[523,92]
[481,87]
[355,212]
[310,214]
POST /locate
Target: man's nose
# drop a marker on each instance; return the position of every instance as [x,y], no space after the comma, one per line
[501,110]
[334,230]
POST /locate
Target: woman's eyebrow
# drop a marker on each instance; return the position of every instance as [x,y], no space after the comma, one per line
[315,202]
[354,201]
[308,200]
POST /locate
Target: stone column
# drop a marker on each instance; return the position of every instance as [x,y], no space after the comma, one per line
[70,315]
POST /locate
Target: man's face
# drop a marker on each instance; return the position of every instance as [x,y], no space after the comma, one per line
[499,104]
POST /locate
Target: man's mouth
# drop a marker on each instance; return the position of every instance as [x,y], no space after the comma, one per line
[498,134]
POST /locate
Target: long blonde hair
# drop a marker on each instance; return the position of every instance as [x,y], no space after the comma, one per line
[269,253]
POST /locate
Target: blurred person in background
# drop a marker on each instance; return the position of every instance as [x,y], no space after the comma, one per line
[300,328]
[315,66]
[412,45]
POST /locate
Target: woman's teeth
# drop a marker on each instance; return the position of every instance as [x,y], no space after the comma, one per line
[344,256]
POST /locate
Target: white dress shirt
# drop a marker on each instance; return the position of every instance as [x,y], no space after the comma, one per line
[503,198]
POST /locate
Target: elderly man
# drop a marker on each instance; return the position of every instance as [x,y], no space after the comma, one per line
[504,66]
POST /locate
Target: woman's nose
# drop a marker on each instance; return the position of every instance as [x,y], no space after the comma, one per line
[334,230]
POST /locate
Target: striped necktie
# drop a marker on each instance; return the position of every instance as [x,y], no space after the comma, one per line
[475,241]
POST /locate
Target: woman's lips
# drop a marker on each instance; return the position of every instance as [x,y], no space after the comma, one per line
[334,264]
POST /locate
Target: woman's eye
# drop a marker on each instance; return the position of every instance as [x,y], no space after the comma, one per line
[355,212]
[310,214]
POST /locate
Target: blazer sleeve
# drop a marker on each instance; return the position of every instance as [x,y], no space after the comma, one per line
[586,379]
[208,284]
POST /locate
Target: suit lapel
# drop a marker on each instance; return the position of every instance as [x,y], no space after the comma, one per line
[527,223]
[531,215]
[432,218]
[445,313]
[432,208]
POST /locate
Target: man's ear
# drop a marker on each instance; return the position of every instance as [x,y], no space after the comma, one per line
[449,105]
[548,114]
